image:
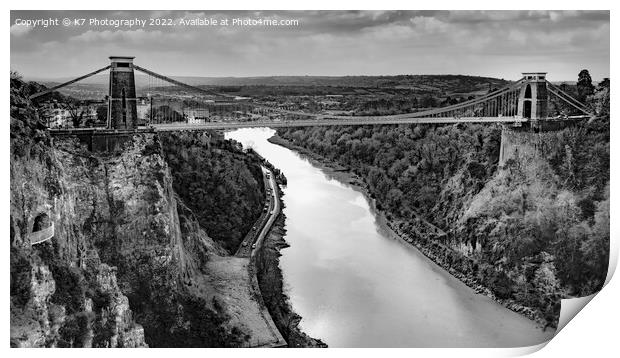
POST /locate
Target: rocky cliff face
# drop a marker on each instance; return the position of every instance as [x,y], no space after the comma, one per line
[115,274]
[57,299]
[532,234]
[103,209]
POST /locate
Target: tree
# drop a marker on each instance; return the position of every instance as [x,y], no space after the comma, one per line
[102,114]
[604,84]
[16,75]
[429,101]
[76,110]
[595,248]
[584,86]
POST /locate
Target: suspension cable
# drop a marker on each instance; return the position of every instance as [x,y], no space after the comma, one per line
[559,95]
[568,98]
[50,90]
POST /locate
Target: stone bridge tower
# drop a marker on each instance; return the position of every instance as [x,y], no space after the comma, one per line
[533,96]
[122,110]
[520,142]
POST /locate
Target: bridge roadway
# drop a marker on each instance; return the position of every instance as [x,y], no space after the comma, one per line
[327,121]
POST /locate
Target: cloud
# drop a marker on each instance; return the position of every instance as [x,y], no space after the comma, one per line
[20,30]
[429,24]
[330,42]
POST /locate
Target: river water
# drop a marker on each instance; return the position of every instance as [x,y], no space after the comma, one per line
[356,286]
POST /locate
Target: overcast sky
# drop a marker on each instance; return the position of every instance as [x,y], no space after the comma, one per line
[497,44]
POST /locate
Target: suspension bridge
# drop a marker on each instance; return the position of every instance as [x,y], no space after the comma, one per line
[172,105]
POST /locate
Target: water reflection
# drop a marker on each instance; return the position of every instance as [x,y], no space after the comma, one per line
[355,286]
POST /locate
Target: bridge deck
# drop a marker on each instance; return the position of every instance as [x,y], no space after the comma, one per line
[326,121]
[333,122]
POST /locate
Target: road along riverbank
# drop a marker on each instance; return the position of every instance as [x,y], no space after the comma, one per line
[262,246]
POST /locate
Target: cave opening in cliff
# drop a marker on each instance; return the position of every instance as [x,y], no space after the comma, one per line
[41,222]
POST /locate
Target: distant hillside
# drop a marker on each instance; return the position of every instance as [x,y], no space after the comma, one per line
[441,85]
[437,82]
[420,82]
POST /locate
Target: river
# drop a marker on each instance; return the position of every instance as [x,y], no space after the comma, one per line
[356,286]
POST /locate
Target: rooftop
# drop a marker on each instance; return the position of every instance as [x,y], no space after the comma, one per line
[122,58]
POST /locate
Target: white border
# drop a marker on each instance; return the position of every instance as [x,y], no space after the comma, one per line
[593,332]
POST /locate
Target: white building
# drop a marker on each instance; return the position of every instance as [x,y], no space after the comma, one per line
[60,118]
[143,108]
[197,115]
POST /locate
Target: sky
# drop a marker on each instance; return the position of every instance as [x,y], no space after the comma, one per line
[498,44]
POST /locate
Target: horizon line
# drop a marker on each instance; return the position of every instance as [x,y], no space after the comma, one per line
[51,79]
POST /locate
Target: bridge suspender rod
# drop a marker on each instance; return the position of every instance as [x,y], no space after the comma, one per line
[181,84]
[515,101]
[439,111]
[50,90]
[500,106]
[509,104]
[469,103]
[487,107]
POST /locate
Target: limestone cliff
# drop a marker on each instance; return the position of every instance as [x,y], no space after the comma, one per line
[117,270]
[56,299]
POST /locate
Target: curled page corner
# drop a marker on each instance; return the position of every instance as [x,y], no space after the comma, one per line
[523,351]
[613,259]
[569,309]
[572,306]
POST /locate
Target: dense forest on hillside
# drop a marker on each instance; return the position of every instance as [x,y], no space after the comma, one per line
[538,227]
[212,177]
